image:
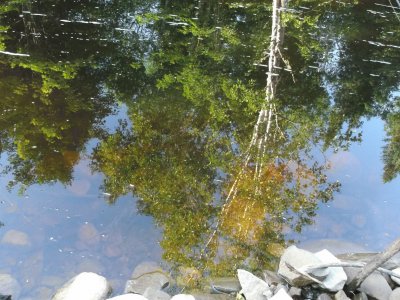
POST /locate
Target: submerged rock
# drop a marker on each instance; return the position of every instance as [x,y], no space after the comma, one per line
[146,275]
[88,286]
[253,288]
[16,237]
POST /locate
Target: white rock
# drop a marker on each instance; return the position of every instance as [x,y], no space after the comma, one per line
[9,286]
[281,295]
[341,295]
[128,297]
[395,279]
[336,277]
[183,297]
[299,258]
[88,286]
[253,288]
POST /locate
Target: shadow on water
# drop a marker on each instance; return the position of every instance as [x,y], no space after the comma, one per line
[178,170]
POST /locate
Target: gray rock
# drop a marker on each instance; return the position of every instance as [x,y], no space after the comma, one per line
[86,285]
[128,297]
[336,277]
[183,297]
[295,291]
[280,295]
[9,286]
[156,294]
[395,295]
[16,237]
[361,296]
[395,279]
[253,288]
[341,295]
[351,273]
[376,286]
[225,284]
[324,296]
[299,258]
[366,257]
[146,275]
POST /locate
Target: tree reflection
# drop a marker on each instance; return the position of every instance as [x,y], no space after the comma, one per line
[192,75]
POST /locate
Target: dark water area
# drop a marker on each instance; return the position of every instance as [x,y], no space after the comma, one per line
[127,134]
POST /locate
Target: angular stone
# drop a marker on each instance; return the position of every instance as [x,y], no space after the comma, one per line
[155,294]
[341,295]
[253,287]
[376,286]
[128,297]
[280,295]
[212,296]
[395,279]
[298,258]
[336,277]
[183,297]
[9,286]
[88,286]
[395,294]
[15,237]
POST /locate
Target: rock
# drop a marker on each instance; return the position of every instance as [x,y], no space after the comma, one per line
[15,237]
[138,286]
[253,288]
[298,258]
[324,296]
[9,286]
[376,286]
[225,284]
[128,297]
[361,296]
[189,276]
[5,297]
[336,277]
[395,294]
[272,278]
[351,273]
[395,279]
[295,292]
[88,286]
[156,294]
[88,234]
[280,295]
[183,297]
[146,275]
[341,295]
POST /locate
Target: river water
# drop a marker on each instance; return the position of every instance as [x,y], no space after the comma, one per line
[125,126]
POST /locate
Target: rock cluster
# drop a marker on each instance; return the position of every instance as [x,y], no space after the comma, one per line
[301,275]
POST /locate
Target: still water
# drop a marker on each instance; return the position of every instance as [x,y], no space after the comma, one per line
[125,129]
